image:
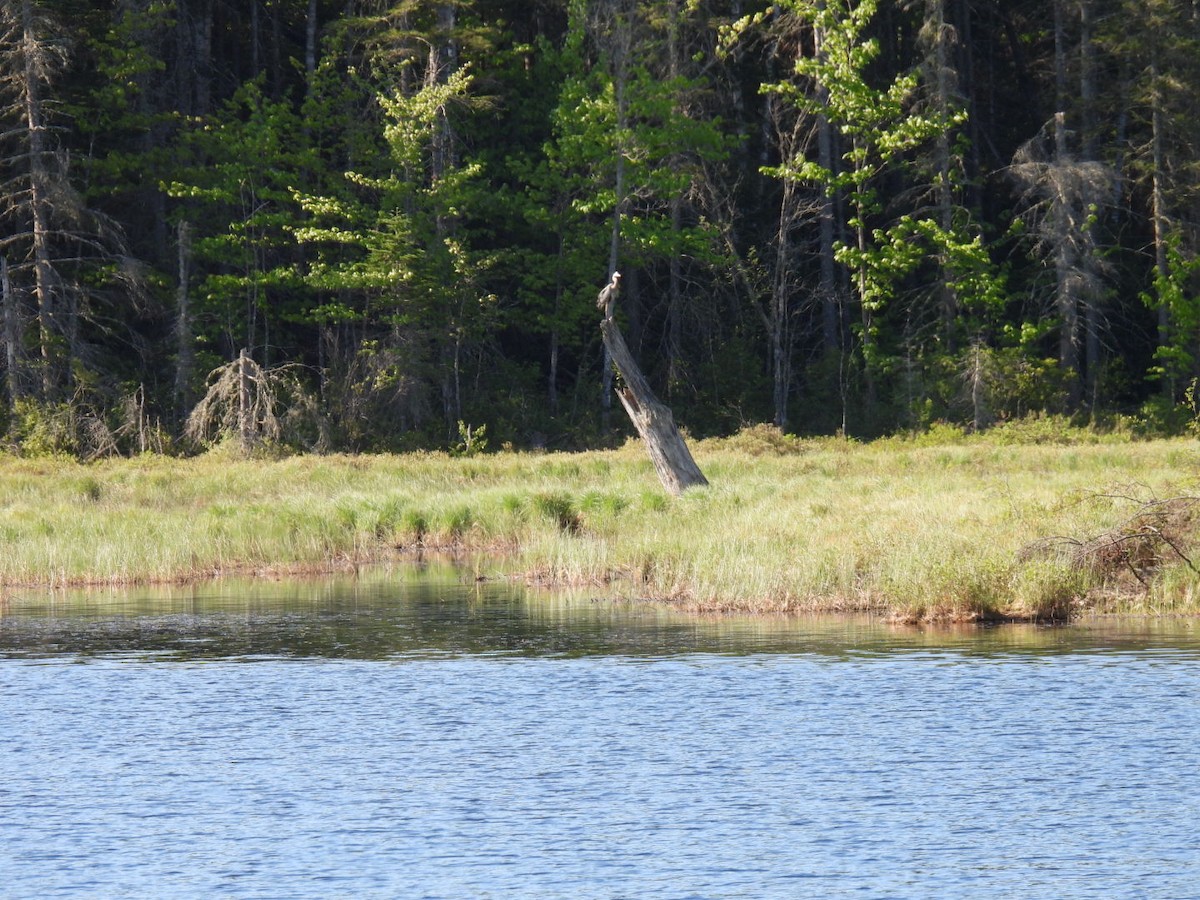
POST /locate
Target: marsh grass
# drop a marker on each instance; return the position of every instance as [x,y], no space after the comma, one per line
[923,530]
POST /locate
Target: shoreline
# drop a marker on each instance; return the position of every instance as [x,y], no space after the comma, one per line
[938,532]
[609,592]
[610,589]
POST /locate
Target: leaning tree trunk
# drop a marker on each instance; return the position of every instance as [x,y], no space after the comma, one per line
[653,421]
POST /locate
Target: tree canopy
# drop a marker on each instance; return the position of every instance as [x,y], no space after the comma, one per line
[847,215]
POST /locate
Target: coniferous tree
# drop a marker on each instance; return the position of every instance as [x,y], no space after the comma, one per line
[418,275]
[858,213]
[631,147]
[236,194]
[1162,38]
[58,253]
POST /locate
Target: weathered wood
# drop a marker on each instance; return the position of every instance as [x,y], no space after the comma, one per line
[245,412]
[654,423]
[11,333]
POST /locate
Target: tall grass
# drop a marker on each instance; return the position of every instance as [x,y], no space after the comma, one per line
[923,529]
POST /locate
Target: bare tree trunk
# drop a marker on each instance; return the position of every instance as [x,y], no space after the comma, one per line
[780,317]
[1064,269]
[310,41]
[966,68]
[654,422]
[612,26]
[245,417]
[447,393]
[1158,208]
[1093,321]
[552,393]
[456,368]
[830,286]
[619,81]
[194,28]
[830,317]
[978,387]
[39,200]
[552,387]
[675,302]
[606,376]
[276,52]
[443,61]
[184,351]
[867,314]
[788,137]
[940,35]
[1064,258]
[674,268]
[12,335]
[255,40]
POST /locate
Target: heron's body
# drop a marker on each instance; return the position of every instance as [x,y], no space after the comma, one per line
[608,296]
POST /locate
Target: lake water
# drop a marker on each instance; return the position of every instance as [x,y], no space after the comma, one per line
[406,735]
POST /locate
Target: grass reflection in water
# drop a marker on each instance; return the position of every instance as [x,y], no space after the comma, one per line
[420,611]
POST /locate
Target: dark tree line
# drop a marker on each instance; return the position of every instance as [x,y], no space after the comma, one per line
[855,215]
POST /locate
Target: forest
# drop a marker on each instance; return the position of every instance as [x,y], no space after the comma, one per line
[381,225]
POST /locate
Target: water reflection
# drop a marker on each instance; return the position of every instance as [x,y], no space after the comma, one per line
[519,744]
[439,610]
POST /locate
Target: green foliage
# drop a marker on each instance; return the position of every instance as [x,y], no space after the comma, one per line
[1176,290]
[414,525]
[1016,383]
[631,143]
[471,440]
[879,129]
[114,109]
[457,521]
[90,426]
[44,429]
[966,267]
[395,241]
[238,190]
[559,508]
[761,440]
[398,220]
[421,213]
[1039,429]
[1162,416]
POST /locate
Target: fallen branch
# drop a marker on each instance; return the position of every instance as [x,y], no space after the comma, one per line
[1159,531]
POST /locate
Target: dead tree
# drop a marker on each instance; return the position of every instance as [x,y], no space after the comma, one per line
[243,402]
[654,423]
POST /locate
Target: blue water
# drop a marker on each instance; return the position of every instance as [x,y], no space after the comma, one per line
[402,739]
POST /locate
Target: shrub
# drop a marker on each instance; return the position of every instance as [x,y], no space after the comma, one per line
[759,440]
[44,429]
[558,508]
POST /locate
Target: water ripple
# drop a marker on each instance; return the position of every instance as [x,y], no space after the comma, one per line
[824,762]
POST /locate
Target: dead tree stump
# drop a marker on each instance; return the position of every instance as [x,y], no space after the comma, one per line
[654,423]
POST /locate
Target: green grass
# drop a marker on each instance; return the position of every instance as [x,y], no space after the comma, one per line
[924,529]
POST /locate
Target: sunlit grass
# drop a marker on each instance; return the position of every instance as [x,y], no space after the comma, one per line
[921,529]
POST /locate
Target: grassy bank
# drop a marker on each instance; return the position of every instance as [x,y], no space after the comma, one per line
[954,528]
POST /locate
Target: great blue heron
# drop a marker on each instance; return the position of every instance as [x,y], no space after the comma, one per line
[610,292]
